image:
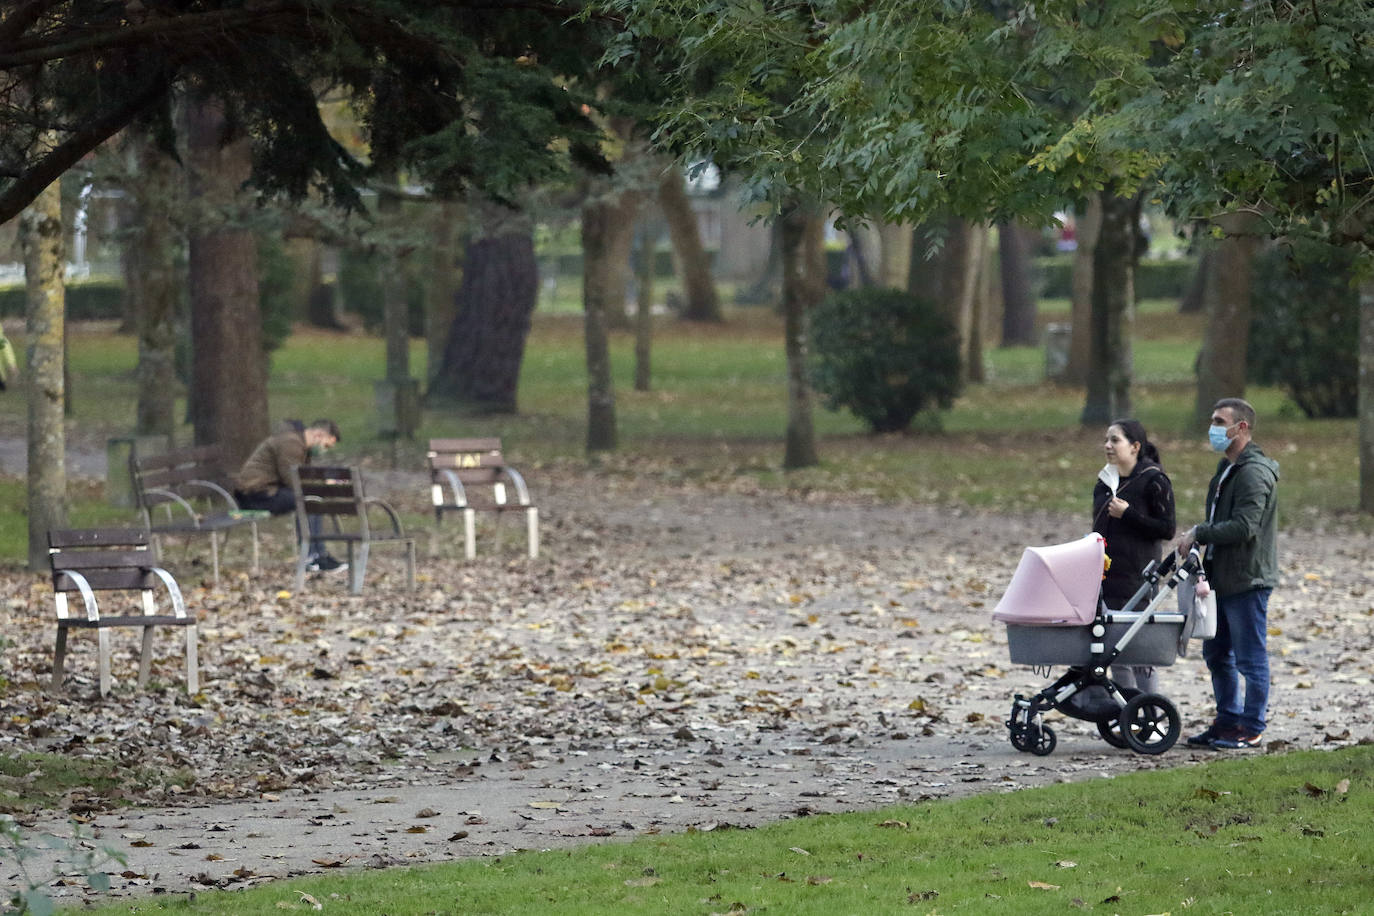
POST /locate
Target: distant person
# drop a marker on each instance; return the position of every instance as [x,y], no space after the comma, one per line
[264,481]
[1240,556]
[1133,510]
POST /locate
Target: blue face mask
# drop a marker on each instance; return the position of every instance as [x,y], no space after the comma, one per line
[1216,435]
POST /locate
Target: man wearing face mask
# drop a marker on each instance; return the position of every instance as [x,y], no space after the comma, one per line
[1240,556]
[264,482]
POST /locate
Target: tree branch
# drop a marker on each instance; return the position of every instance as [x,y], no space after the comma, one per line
[13,25]
[48,168]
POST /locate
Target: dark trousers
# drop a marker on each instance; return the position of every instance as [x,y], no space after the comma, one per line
[282,502]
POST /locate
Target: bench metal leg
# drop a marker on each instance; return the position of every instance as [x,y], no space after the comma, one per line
[359,569]
[532,523]
[214,555]
[257,565]
[59,658]
[410,565]
[102,638]
[470,534]
[302,558]
[192,662]
[145,657]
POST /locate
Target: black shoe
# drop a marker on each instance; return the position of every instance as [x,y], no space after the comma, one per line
[1237,742]
[326,563]
[1205,739]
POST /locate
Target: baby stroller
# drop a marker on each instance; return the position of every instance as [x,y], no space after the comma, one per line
[1055,616]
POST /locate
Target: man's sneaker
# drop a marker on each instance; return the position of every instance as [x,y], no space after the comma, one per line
[1205,739]
[326,563]
[1238,741]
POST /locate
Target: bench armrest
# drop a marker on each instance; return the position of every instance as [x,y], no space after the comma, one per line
[522,492]
[211,486]
[87,596]
[371,501]
[460,496]
[168,498]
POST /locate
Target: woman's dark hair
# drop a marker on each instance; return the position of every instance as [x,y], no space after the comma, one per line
[1134,431]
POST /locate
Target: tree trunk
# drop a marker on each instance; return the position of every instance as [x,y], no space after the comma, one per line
[1018,299]
[441,295]
[894,260]
[228,363]
[154,285]
[697,284]
[322,300]
[803,286]
[1081,306]
[971,303]
[1194,297]
[950,278]
[599,291]
[1365,410]
[1113,308]
[486,342]
[45,296]
[1221,362]
[650,229]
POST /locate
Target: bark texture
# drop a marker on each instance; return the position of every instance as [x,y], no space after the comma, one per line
[1365,410]
[45,305]
[703,304]
[228,363]
[607,234]
[803,285]
[1081,308]
[894,259]
[650,229]
[1221,362]
[441,293]
[1113,309]
[1018,299]
[154,283]
[486,341]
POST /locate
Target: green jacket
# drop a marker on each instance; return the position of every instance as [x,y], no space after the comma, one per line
[1242,536]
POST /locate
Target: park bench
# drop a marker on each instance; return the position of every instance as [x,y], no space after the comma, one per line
[471,476]
[337,493]
[90,560]
[183,492]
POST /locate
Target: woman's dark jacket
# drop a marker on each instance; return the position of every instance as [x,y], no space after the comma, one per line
[1134,539]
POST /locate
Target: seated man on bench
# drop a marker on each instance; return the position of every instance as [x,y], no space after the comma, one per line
[264,482]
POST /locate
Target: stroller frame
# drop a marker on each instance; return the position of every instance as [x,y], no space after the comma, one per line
[1146,723]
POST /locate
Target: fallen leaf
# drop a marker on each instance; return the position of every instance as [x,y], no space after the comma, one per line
[1041,885]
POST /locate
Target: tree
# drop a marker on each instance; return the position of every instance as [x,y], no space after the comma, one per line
[228,391]
[803,285]
[461,95]
[499,290]
[44,255]
[1018,299]
[694,265]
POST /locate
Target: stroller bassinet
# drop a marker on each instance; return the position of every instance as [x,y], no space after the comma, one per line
[1055,616]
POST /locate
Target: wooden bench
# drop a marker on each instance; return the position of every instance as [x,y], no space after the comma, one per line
[338,493]
[86,561]
[471,476]
[188,486]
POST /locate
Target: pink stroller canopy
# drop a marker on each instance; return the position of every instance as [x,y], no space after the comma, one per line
[1055,586]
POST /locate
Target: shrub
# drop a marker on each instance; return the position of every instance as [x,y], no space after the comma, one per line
[883,354]
[1304,327]
[1154,278]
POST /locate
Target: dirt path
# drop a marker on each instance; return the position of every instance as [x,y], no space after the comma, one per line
[678,658]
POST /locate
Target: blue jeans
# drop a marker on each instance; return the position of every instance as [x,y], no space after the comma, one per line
[282,502]
[1240,650]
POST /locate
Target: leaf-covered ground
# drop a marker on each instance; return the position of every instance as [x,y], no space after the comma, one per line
[679,655]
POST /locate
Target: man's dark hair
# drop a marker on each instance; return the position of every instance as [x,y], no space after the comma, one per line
[328,426]
[1240,409]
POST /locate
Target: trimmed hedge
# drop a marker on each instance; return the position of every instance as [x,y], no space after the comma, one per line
[1154,279]
[87,300]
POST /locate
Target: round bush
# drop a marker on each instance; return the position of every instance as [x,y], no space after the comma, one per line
[884,355]
[1304,327]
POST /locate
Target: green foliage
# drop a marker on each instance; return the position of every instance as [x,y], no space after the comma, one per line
[96,299]
[1304,327]
[360,286]
[274,291]
[77,856]
[1154,279]
[884,355]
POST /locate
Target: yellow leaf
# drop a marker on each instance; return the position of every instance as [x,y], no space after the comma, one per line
[283,595]
[1041,885]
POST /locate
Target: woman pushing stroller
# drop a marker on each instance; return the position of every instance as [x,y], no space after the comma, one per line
[1133,510]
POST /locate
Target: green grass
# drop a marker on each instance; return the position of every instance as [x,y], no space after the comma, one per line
[1264,834]
[38,782]
[717,412]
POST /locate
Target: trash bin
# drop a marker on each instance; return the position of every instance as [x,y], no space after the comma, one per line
[1057,337]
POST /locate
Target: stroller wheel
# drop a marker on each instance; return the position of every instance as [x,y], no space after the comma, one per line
[1150,724]
[1111,733]
[1042,740]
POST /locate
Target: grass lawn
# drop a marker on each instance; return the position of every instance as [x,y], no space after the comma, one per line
[1263,834]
